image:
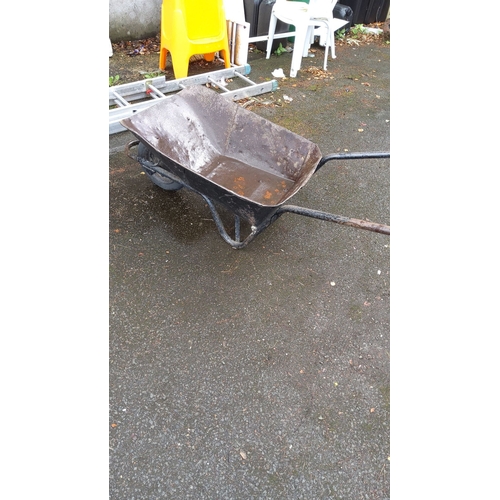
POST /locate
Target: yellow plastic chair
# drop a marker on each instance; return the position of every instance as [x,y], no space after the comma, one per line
[190,27]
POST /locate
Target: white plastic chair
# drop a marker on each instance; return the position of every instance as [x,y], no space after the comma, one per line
[305,17]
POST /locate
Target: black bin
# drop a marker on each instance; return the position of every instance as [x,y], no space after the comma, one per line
[368,11]
[251,8]
[258,14]
[341,11]
[377,11]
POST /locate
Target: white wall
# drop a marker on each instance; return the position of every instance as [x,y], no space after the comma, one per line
[134,19]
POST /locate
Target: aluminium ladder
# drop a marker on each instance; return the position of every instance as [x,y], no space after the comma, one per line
[127,99]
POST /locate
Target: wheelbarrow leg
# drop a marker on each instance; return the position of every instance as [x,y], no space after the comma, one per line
[236,242]
[237,228]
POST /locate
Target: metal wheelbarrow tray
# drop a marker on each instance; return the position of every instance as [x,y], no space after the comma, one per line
[229,155]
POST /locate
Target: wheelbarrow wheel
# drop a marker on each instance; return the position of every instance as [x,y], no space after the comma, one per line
[160,180]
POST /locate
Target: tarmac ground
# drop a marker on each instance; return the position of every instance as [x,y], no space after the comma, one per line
[262,372]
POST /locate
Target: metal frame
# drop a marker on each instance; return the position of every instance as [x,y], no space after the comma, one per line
[255,230]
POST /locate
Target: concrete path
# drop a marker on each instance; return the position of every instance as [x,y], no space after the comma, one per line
[258,373]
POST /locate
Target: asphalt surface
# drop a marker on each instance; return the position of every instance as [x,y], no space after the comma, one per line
[262,372]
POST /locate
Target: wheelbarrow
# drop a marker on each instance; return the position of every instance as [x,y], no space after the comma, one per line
[233,158]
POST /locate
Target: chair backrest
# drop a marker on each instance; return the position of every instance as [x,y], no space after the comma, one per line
[319,7]
[316,8]
[204,19]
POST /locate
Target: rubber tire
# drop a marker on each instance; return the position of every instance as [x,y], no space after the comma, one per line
[160,180]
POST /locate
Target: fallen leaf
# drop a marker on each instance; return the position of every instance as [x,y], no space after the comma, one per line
[243,455]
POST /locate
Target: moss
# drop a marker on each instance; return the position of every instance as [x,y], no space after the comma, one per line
[355,312]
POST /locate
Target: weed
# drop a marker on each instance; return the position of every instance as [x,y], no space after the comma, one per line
[357,30]
[280,50]
[340,34]
[113,80]
[153,74]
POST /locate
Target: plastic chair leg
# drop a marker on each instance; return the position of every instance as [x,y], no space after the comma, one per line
[308,41]
[272,29]
[163,58]
[327,44]
[180,66]
[332,41]
[298,49]
[227,61]
[222,54]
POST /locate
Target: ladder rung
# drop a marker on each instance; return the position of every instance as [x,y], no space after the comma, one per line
[120,101]
[218,85]
[244,78]
[154,91]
